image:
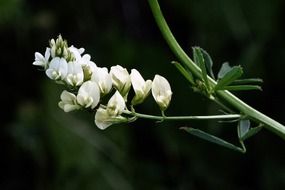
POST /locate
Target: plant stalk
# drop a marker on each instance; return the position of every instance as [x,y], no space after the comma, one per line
[245,109]
[161,118]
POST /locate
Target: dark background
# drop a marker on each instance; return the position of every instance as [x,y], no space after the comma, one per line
[44,148]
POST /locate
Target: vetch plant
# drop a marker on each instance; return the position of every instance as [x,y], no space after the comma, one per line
[88,86]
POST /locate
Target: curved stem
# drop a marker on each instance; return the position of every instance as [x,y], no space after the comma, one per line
[209,117]
[255,115]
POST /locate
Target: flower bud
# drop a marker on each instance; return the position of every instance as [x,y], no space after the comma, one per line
[68,102]
[88,94]
[57,69]
[161,92]
[59,48]
[121,80]
[103,79]
[140,86]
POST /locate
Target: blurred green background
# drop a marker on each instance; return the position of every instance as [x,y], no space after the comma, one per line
[44,148]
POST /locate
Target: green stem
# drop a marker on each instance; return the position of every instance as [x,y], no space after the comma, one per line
[255,115]
[160,118]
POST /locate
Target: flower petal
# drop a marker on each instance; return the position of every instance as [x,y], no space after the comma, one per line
[102,119]
[57,69]
[161,92]
[121,79]
[103,79]
[116,104]
[137,80]
[140,86]
[75,74]
[68,101]
[88,94]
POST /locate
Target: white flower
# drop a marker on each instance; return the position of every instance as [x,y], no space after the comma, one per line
[116,104]
[68,101]
[57,69]
[112,114]
[121,79]
[87,65]
[83,60]
[140,86]
[161,92]
[104,120]
[103,79]
[41,60]
[76,52]
[88,94]
[75,74]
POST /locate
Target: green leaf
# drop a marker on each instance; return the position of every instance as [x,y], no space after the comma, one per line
[197,56]
[211,138]
[245,131]
[251,132]
[187,74]
[243,128]
[241,87]
[225,68]
[199,60]
[247,81]
[208,62]
[234,73]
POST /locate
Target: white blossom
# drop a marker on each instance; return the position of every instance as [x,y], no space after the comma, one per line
[75,75]
[87,65]
[140,86]
[41,60]
[103,79]
[121,79]
[161,92]
[57,69]
[76,52]
[105,117]
[68,101]
[83,60]
[116,104]
[88,94]
[104,120]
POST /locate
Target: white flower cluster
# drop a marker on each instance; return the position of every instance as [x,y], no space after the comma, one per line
[88,83]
